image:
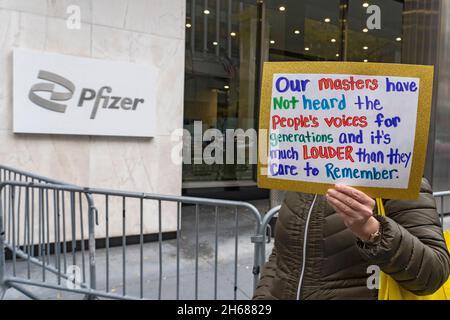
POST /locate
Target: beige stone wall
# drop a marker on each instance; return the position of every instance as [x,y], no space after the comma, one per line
[149,32]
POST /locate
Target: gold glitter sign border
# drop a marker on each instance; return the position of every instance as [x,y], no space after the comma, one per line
[424,73]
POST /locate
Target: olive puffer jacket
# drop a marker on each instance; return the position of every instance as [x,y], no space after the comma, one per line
[412,250]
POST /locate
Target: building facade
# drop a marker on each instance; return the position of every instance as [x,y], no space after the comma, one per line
[227,42]
[209,54]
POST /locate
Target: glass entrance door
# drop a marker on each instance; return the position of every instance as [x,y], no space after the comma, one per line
[226,43]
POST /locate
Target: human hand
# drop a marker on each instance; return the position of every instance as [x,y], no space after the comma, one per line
[355,209]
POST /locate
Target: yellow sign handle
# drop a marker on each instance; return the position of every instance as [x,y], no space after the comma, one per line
[380,207]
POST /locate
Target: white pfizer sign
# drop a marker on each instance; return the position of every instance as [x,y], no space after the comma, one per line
[61,94]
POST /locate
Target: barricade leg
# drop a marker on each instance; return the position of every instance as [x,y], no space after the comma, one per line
[3,286]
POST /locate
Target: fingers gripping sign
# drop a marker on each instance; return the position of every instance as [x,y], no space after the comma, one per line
[356,210]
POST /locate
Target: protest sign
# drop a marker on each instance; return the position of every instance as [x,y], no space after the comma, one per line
[359,124]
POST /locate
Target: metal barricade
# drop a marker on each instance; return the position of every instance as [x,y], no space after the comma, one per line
[201,271]
[113,244]
[265,236]
[44,230]
[12,174]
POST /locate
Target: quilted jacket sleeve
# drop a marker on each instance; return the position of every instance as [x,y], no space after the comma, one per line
[412,247]
[262,291]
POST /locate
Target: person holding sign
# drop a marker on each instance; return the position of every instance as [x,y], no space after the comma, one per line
[327,247]
[339,135]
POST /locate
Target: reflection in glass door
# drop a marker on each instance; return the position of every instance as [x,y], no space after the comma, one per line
[375,45]
[302,30]
[330,30]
